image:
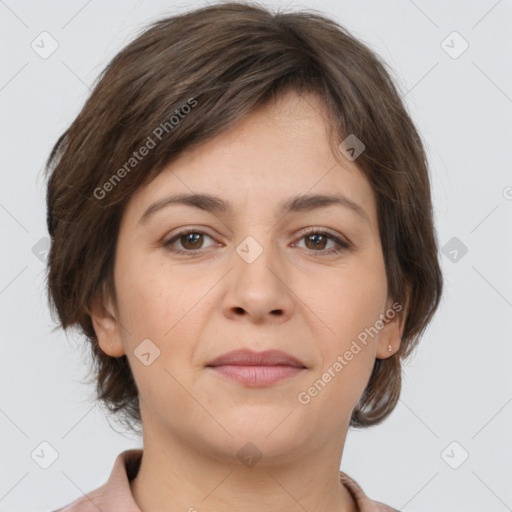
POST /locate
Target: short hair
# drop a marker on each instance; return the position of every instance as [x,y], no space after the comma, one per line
[186,79]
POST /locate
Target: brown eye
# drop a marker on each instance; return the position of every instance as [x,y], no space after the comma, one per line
[191,241]
[316,241]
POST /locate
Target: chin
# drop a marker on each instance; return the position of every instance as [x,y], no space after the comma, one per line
[269,437]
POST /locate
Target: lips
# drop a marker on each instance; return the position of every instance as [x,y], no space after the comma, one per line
[247,357]
[256,369]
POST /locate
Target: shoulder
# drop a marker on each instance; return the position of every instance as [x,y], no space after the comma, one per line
[115,494]
[90,502]
[364,503]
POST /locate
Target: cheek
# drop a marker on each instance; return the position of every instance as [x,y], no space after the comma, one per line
[346,301]
[168,308]
[152,297]
[358,299]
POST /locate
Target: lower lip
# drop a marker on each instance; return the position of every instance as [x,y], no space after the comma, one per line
[257,376]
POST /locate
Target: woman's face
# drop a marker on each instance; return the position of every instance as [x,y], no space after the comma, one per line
[258,280]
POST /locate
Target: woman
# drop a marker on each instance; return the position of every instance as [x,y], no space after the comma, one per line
[242,228]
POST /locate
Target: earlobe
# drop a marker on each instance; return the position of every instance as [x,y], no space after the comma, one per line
[392,332]
[106,326]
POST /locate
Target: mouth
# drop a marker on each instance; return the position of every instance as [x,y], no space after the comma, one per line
[257,369]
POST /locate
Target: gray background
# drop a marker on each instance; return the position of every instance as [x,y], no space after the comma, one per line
[457,386]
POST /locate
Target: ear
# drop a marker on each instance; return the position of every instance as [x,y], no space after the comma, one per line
[394,322]
[106,326]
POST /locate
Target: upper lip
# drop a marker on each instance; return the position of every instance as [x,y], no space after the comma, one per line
[246,357]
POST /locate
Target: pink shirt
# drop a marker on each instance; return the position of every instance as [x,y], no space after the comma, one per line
[115,495]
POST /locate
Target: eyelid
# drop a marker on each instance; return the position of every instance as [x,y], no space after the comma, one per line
[342,243]
[327,231]
[184,232]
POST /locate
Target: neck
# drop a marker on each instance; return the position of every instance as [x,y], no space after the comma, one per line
[177,476]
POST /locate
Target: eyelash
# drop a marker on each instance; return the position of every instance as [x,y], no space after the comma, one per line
[341,244]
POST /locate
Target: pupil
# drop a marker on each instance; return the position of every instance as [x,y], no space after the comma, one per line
[315,237]
[192,237]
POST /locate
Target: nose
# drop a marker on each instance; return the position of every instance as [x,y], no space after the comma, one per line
[258,289]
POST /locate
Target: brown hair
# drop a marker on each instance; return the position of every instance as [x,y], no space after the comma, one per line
[183,81]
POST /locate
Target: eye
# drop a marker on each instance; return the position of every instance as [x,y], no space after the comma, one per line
[316,241]
[190,239]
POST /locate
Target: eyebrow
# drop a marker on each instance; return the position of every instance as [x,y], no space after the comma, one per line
[299,203]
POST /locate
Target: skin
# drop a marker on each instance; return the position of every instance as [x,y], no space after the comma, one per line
[294,297]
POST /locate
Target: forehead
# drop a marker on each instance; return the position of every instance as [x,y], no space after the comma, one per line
[278,151]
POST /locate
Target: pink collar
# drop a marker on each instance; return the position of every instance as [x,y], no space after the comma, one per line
[115,495]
